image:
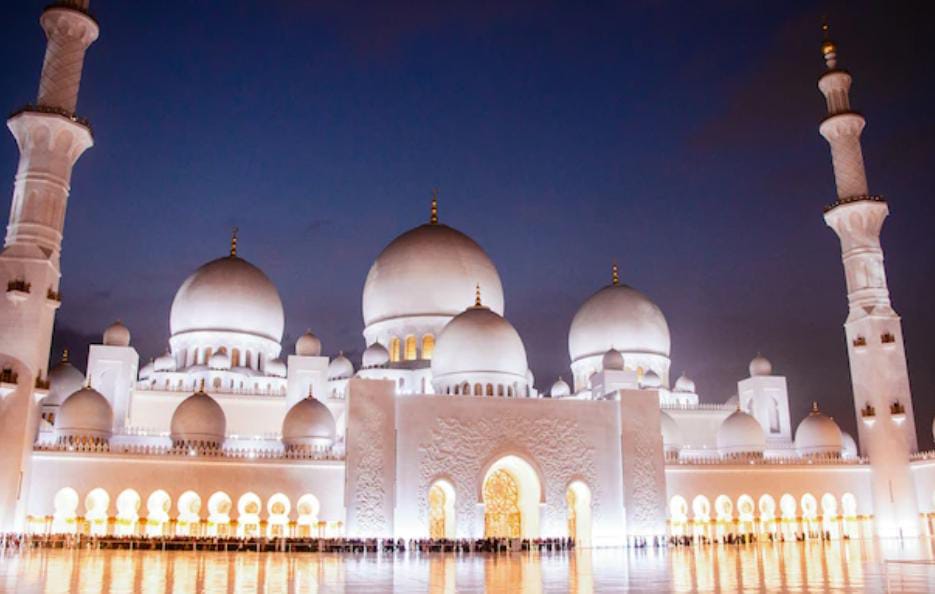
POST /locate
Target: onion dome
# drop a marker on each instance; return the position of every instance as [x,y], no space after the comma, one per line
[671,433]
[818,435]
[849,446]
[612,360]
[117,334]
[429,271]
[760,365]
[86,415]
[375,355]
[64,380]
[198,421]
[228,295]
[684,384]
[479,346]
[308,345]
[340,368]
[275,368]
[560,389]
[164,362]
[220,361]
[651,380]
[740,433]
[618,317]
[308,425]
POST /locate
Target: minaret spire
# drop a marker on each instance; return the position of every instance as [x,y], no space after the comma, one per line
[234,232]
[614,274]
[873,330]
[477,301]
[433,214]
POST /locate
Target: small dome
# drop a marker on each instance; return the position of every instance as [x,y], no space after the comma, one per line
[740,433]
[560,389]
[760,365]
[219,361]
[375,355]
[651,380]
[340,368]
[64,380]
[198,420]
[818,434]
[275,368]
[164,362]
[308,345]
[849,446]
[478,341]
[86,414]
[684,384]
[308,424]
[117,335]
[671,433]
[612,360]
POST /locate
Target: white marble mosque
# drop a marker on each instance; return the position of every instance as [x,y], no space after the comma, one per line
[440,430]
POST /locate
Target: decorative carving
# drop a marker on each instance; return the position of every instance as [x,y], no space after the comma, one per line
[370,489]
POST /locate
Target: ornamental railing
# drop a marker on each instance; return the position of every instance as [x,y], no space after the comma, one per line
[849,199]
[173,451]
[49,109]
[759,460]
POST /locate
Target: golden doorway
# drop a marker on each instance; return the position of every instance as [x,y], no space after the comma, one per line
[502,518]
[437,501]
[572,502]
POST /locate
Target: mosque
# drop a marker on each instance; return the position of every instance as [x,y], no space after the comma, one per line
[440,430]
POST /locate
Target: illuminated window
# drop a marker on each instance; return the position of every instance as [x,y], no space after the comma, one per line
[411,348]
[394,349]
[428,346]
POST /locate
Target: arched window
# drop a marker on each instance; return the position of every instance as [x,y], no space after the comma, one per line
[509,392]
[394,349]
[478,390]
[490,389]
[411,354]
[466,388]
[428,346]
[235,357]
[773,416]
[217,382]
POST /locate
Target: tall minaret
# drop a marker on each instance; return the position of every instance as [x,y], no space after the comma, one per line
[50,138]
[879,376]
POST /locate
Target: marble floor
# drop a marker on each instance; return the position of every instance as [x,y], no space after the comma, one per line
[841,566]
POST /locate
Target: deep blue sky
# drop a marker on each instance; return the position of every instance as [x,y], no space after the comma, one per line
[679,138]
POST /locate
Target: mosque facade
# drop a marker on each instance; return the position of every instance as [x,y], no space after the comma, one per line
[440,430]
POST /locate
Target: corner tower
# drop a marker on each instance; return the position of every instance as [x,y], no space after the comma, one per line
[50,137]
[879,375]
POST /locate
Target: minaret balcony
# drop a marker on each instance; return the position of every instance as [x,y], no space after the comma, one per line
[868,415]
[852,199]
[51,110]
[898,413]
[18,290]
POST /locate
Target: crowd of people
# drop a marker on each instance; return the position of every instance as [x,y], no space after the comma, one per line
[748,538]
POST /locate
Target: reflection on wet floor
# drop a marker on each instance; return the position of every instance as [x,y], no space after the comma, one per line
[835,566]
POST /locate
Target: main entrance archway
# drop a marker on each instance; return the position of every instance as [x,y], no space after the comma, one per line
[578,500]
[511,494]
[441,510]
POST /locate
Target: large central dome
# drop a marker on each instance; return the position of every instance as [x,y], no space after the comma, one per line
[228,295]
[429,271]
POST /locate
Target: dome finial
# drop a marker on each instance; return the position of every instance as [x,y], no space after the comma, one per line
[433,217]
[65,355]
[201,385]
[234,242]
[614,274]
[814,406]
[477,301]
[829,49]
[310,391]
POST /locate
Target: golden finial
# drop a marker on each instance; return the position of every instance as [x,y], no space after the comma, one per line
[433,217]
[310,391]
[65,355]
[814,406]
[828,48]
[477,301]
[234,242]
[201,385]
[614,274]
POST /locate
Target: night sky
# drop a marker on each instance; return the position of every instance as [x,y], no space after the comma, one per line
[678,138]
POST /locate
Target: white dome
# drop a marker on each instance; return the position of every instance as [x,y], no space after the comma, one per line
[560,389]
[64,380]
[733,401]
[740,433]
[340,368]
[530,378]
[220,361]
[818,434]
[375,355]
[651,380]
[147,370]
[164,362]
[612,360]
[117,335]
[86,414]
[429,271]
[671,432]
[275,368]
[308,345]
[760,365]
[618,317]
[198,420]
[479,342]
[228,295]
[849,446]
[684,384]
[308,423]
